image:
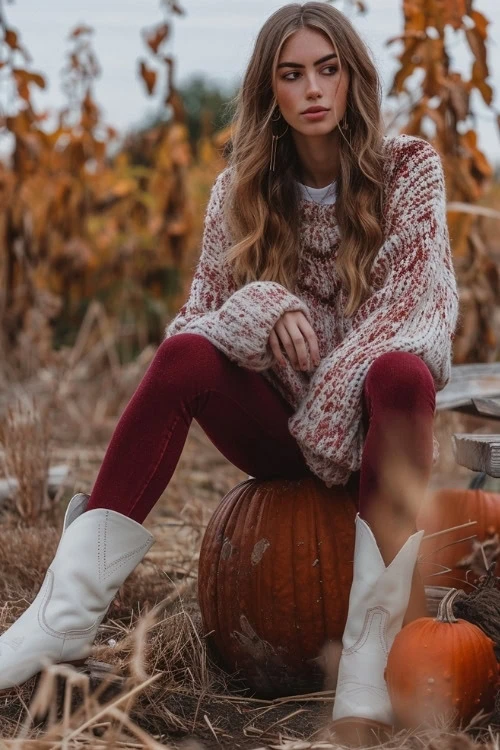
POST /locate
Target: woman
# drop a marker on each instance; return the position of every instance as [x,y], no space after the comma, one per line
[317,331]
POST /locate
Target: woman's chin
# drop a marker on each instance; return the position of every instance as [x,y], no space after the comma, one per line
[316,129]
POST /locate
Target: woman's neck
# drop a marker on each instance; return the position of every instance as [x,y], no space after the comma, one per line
[318,159]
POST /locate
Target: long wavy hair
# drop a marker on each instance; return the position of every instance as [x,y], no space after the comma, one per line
[262,206]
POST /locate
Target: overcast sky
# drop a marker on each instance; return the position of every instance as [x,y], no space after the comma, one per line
[215,37]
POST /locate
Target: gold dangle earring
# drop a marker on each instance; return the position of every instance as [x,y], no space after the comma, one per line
[345,129]
[344,125]
[274,141]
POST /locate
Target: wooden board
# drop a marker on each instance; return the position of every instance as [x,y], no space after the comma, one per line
[478,452]
[470,384]
[489,408]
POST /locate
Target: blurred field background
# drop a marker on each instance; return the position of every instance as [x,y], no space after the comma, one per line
[100,231]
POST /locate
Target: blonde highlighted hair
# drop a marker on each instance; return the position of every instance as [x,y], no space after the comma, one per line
[262,207]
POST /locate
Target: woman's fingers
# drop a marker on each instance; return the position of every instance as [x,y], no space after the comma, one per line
[283,333]
[311,340]
[294,343]
[274,343]
[295,335]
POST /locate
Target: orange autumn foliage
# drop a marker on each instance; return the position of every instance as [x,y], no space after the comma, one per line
[77,222]
[442,113]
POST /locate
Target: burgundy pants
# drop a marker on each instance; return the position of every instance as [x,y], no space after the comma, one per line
[246,419]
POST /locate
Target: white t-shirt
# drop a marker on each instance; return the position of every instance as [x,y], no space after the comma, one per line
[326,195]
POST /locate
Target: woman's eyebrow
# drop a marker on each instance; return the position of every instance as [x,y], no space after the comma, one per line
[298,65]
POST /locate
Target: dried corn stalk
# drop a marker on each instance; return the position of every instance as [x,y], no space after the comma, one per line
[440,111]
[75,223]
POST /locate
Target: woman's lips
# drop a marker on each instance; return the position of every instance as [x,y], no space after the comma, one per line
[315,115]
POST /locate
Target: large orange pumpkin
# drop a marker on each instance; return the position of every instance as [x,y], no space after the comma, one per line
[441,666]
[275,574]
[448,508]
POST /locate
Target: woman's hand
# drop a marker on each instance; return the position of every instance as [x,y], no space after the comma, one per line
[294,332]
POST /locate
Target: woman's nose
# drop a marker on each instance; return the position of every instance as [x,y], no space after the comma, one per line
[312,86]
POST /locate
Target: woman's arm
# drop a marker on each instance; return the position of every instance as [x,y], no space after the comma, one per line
[236,321]
[415,311]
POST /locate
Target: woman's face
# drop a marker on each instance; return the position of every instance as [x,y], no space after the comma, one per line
[309,75]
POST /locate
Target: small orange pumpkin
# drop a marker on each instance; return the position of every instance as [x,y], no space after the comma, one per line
[441,665]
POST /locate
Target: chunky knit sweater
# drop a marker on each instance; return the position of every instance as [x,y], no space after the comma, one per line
[412,306]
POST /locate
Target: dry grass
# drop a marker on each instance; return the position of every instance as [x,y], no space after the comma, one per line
[25,443]
[163,687]
[171,691]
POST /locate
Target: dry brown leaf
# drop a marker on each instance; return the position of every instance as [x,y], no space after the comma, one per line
[148,75]
[158,35]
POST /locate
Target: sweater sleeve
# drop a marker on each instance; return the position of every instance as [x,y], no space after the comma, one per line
[238,321]
[415,310]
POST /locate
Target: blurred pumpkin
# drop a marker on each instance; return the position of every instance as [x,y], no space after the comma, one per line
[275,573]
[446,509]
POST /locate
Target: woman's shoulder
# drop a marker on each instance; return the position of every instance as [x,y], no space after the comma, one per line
[215,205]
[222,180]
[407,152]
[219,191]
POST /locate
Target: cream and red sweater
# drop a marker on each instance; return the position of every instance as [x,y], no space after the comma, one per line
[412,307]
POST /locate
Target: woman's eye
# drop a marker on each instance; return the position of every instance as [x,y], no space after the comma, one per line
[331,68]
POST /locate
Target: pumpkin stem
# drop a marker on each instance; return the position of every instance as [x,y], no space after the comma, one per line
[445,610]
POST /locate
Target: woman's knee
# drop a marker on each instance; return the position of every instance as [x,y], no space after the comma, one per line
[186,345]
[400,380]
[186,354]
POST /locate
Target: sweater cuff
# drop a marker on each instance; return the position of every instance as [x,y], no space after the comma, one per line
[250,315]
[241,327]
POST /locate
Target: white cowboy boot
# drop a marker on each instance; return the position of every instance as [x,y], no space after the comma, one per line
[98,549]
[377,605]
